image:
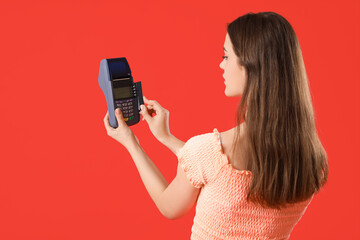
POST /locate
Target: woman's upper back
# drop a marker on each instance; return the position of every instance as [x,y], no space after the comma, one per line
[226,142]
[222,211]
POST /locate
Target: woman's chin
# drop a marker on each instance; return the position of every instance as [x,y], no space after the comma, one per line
[226,92]
[231,94]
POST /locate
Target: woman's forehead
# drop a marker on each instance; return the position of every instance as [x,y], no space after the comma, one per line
[227,44]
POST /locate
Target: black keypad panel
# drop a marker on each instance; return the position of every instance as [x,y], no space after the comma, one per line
[127,108]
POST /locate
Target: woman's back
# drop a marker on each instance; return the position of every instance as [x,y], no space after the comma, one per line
[226,142]
[222,211]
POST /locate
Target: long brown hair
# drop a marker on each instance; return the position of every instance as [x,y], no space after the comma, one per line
[284,153]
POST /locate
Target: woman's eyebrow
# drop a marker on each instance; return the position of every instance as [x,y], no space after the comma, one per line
[225,49]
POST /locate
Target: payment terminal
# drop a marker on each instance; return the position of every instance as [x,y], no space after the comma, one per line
[120,91]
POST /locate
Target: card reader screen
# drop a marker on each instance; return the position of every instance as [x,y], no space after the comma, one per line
[123,92]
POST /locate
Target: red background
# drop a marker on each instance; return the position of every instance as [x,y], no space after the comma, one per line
[62,177]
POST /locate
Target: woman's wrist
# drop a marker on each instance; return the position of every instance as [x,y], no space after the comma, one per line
[132,144]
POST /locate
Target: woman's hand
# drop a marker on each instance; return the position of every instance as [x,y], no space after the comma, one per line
[159,124]
[123,134]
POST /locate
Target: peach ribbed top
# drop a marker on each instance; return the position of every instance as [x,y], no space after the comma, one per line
[222,211]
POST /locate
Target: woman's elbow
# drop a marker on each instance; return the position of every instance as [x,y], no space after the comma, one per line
[170,215]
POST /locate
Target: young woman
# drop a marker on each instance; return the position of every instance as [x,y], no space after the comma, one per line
[255,180]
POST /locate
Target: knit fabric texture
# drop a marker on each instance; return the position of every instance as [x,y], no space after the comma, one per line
[222,211]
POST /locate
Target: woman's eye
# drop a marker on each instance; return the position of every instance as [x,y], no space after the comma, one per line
[224,57]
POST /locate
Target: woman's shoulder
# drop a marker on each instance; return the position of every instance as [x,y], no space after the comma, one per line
[202,156]
[209,138]
[202,138]
[204,143]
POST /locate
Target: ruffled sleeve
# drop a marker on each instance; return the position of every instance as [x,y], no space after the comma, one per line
[200,159]
[189,162]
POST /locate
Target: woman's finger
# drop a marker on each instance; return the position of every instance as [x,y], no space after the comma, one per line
[119,117]
[154,104]
[106,121]
[150,109]
[151,102]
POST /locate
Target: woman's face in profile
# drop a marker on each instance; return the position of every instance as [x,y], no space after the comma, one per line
[234,74]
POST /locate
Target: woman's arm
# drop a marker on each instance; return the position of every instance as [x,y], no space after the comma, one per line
[173,200]
[154,181]
[173,143]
